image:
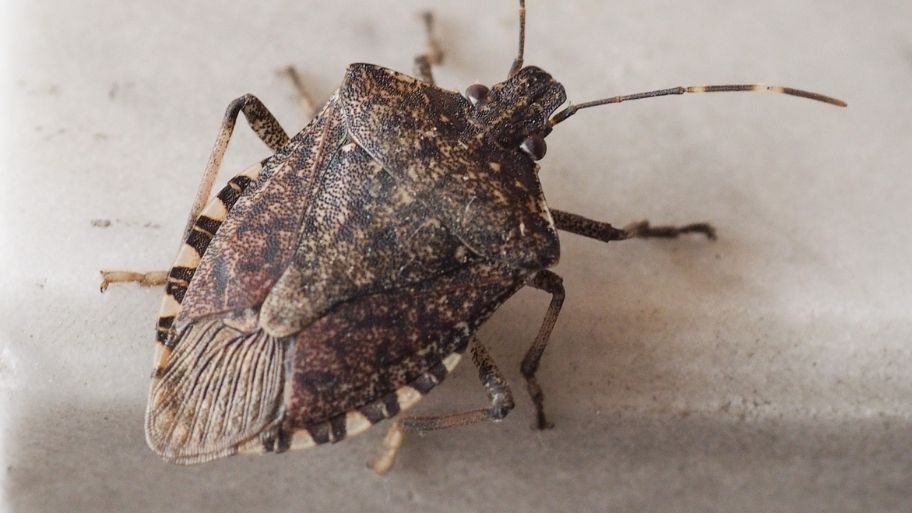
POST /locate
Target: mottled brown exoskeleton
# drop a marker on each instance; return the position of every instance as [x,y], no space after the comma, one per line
[333,284]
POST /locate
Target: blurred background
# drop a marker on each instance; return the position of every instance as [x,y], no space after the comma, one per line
[767,371]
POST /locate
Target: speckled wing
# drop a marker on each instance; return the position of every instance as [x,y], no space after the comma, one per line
[220,384]
[356,357]
[365,232]
[255,243]
[489,196]
[372,246]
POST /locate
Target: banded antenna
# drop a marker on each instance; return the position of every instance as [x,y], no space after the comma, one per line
[572,109]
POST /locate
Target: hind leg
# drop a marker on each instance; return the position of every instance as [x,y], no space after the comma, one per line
[498,393]
[264,124]
[260,120]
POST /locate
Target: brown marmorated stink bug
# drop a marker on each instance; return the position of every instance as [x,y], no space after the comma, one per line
[336,282]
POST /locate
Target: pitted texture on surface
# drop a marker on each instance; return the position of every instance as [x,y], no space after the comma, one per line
[488,194]
[765,372]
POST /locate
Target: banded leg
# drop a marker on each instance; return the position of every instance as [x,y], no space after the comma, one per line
[498,393]
[554,285]
[434,55]
[604,232]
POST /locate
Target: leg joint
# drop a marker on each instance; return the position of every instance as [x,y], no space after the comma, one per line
[528,368]
[238,104]
[501,400]
[549,282]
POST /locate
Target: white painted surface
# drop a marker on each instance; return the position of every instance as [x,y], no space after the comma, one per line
[769,371]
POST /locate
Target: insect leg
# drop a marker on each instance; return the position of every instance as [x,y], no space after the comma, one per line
[498,392]
[261,121]
[643,230]
[304,100]
[639,230]
[204,228]
[554,285]
[433,56]
[150,279]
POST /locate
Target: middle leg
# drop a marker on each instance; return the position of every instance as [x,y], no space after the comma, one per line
[554,285]
[604,232]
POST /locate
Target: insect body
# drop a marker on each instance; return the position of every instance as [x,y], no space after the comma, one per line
[334,283]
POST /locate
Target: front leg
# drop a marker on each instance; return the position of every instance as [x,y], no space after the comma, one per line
[605,232]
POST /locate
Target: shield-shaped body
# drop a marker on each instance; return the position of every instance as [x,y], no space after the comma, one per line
[332,285]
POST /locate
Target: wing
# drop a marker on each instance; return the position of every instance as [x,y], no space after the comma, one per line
[255,243]
[220,388]
[221,382]
[366,232]
[368,358]
[489,196]
[358,356]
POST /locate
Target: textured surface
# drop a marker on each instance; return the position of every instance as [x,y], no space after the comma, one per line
[765,371]
[220,388]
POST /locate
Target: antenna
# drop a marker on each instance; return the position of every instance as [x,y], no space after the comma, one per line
[518,62]
[572,109]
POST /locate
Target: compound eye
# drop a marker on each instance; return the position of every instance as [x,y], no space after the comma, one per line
[477,93]
[534,146]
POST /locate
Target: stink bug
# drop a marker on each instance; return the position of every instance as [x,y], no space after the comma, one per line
[337,281]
